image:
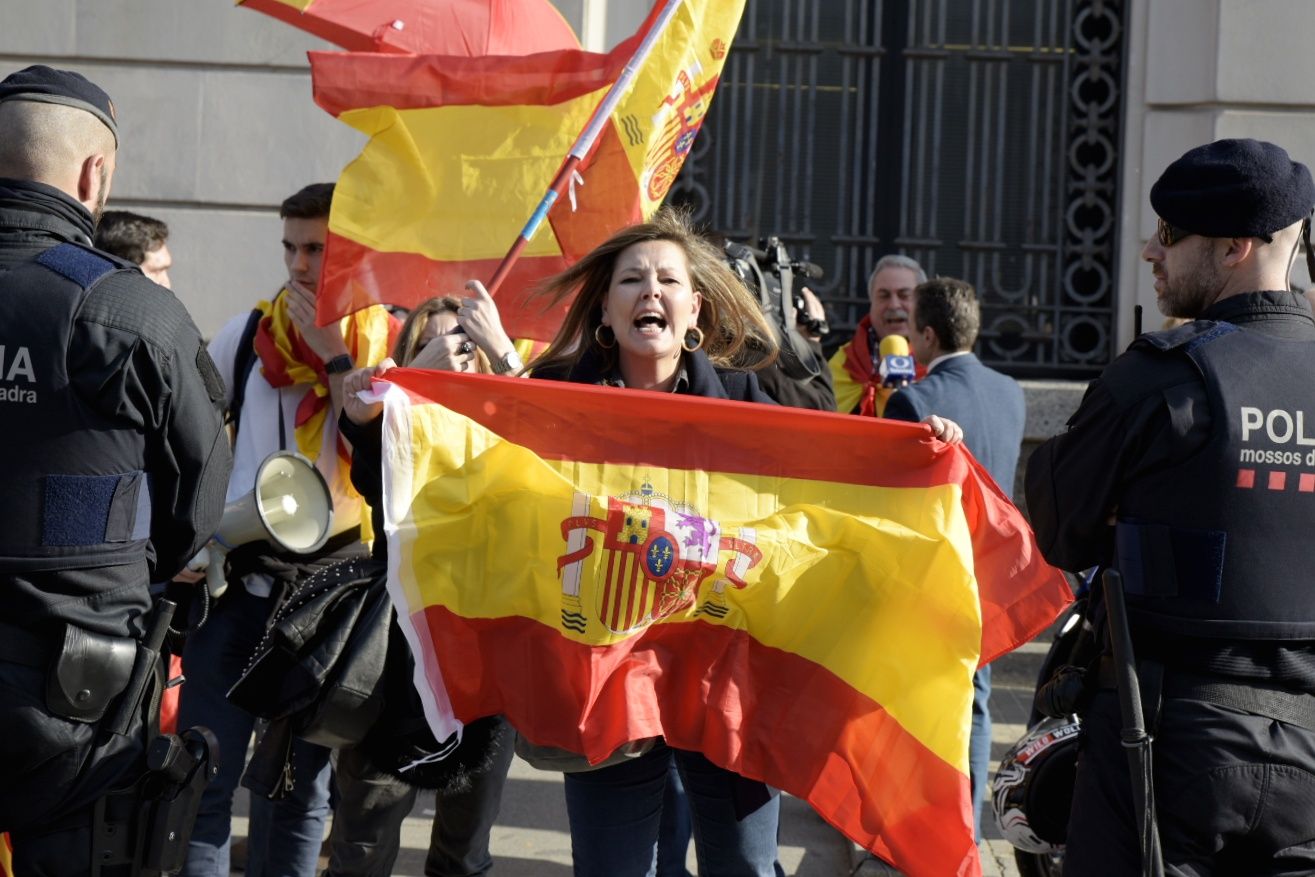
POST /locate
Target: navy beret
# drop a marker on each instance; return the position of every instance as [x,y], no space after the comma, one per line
[48,85]
[1234,189]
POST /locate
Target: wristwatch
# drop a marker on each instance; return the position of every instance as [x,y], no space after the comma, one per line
[510,362]
[339,364]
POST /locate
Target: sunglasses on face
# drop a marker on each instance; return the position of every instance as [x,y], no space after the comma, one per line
[1168,235]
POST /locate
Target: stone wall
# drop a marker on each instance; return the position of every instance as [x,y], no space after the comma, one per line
[216,126]
[1201,70]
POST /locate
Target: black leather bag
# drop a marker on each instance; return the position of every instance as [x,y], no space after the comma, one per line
[321,662]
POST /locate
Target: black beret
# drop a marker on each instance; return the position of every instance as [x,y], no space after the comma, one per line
[48,85]
[1234,189]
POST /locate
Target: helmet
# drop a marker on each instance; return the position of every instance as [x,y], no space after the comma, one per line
[1032,791]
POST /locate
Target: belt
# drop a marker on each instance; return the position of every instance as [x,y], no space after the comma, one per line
[1258,698]
[1262,699]
[20,646]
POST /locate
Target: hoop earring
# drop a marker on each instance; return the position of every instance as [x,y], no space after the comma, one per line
[691,347]
[598,337]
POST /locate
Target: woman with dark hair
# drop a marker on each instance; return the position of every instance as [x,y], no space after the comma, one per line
[376,788]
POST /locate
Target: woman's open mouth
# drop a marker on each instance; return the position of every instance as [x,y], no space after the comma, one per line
[650,323]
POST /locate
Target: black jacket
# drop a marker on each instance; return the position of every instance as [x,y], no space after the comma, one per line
[1148,413]
[132,363]
[698,377]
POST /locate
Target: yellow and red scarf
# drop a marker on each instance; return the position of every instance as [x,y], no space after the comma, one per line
[287,360]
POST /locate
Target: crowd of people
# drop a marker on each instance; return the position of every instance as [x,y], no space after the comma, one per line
[133,434]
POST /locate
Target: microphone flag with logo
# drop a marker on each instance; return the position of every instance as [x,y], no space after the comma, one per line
[897,368]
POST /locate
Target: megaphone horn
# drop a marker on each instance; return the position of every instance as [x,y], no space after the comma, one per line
[290,506]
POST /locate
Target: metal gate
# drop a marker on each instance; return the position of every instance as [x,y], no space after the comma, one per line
[977,136]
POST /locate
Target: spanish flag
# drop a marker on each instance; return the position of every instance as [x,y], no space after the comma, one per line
[801,596]
[462,149]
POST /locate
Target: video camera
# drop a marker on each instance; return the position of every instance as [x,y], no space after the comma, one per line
[769,273]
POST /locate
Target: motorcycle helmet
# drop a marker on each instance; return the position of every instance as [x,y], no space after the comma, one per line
[1032,792]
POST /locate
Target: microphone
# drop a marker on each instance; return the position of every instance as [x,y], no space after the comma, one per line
[897,368]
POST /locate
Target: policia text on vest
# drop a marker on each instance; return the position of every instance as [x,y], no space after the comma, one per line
[14,367]
[1281,428]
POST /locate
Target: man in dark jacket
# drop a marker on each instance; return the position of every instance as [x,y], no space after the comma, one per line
[989,406]
[1188,468]
[113,462]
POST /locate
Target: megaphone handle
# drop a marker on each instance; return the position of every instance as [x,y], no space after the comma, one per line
[215,582]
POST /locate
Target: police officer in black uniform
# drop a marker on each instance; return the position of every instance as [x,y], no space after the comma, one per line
[1190,468]
[113,466]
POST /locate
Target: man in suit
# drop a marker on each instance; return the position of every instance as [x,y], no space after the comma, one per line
[989,406]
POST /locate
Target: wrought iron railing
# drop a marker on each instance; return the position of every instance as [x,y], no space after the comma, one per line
[980,138]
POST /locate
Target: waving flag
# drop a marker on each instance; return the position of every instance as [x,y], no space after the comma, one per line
[800,596]
[462,149]
[440,27]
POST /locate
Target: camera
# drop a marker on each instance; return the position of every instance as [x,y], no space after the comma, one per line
[769,273]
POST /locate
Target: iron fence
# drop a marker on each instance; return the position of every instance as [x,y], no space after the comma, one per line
[977,136]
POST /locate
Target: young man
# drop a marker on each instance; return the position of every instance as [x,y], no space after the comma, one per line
[854,367]
[284,376]
[989,406]
[142,240]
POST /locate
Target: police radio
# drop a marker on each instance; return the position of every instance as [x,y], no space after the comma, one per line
[289,506]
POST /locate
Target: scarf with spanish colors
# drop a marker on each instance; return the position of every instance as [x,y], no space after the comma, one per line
[286,360]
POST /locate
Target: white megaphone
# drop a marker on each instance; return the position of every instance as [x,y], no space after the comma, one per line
[289,506]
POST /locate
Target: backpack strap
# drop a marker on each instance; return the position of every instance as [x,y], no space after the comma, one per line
[244,360]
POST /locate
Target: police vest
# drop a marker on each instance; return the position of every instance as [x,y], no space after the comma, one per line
[1222,545]
[73,491]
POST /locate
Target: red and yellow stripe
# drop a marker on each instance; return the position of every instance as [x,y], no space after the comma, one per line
[462,149]
[837,665]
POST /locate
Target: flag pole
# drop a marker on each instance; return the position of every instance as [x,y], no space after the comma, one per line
[584,142]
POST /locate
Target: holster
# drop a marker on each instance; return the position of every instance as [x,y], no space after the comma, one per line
[147,825]
[88,672]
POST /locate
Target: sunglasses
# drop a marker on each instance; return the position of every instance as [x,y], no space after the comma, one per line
[1168,235]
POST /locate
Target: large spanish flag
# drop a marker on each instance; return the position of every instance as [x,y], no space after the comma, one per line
[443,27]
[798,595]
[462,149]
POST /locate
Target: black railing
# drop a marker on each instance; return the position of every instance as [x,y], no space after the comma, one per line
[979,138]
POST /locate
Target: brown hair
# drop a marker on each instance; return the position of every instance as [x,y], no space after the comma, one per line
[735,333]
[309,202]
[949,306]
[408,338]
[130,235]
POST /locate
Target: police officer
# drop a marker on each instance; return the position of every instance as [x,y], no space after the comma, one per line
[113,465]
[1189,468]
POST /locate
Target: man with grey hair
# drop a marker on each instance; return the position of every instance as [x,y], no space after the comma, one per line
[854,367]
[113,462]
